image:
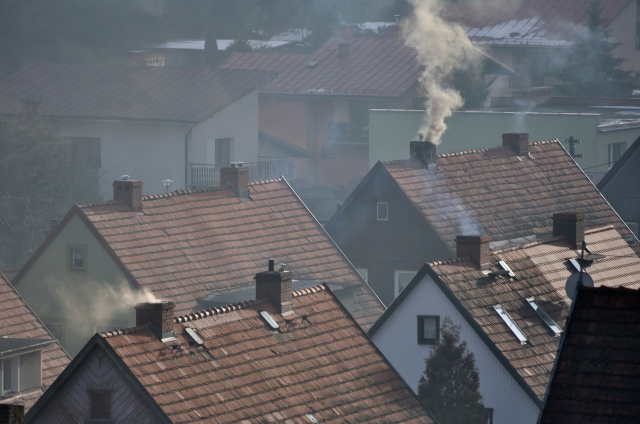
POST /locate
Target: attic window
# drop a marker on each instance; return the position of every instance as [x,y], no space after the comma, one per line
[510,323]
[382,210]
[77,259]
[545,317]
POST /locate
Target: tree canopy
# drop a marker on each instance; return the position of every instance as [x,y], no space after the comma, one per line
[449,386]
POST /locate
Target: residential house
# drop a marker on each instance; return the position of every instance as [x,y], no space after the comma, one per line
[620,186]
[290,356]
[30,356]
[533,37]
[596,136]
[406,212]
[511,305]
[595,377]
[184,246]
[151,121]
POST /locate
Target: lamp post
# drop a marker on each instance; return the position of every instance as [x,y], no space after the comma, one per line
[167,183]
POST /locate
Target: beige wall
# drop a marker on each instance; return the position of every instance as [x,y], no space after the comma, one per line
[100,295]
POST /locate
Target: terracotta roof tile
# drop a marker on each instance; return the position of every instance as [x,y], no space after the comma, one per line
[597,376]
[542,270]
[494,192]
[321,364]
[17,320]
[111,91]
[186,246]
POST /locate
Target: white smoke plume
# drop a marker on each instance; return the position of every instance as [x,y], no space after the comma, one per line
[442,47]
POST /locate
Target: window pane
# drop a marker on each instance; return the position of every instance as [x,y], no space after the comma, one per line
[101,405]
[77,259]
[404,278]
[223,151]
[430,328]
[6,375]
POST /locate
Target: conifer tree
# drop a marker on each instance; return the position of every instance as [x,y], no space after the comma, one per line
[449,386]
[591,68]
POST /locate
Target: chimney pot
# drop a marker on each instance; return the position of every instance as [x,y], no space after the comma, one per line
[343,50]
[519,142]
[160,314]
[129,192]
[238,177]
[11,414]
[571,224]
[477,248]
[277,287]
[425,152]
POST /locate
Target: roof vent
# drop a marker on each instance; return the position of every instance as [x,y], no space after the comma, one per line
[545,317]
[191,332]
[269,320]
[511,324]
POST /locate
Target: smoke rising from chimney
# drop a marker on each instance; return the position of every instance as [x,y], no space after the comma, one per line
[442,47]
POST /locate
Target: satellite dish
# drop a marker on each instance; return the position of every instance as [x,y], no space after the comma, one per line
[572,283]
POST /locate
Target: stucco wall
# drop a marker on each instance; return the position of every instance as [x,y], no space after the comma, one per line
[397,340]
[391,130]
[100,295]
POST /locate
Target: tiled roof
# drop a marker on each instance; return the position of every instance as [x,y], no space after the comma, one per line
[542,270]
[186,245]
[527,23]
[597,375]
[378,67]
[111,91]
[17,320]
[493,191]
[321,364]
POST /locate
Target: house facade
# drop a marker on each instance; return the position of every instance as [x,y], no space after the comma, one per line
[190,247]
[511,305]
[129,120]
[291,356]
[619,186]
[406,212]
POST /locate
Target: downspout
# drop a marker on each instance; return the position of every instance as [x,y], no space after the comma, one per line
[187,136]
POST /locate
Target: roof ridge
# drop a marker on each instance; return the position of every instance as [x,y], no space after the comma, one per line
[156,196]
[122,331]
[449,261]
[474,151]
[599,229]
[273,180]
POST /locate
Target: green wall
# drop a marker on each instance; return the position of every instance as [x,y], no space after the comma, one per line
[78,300]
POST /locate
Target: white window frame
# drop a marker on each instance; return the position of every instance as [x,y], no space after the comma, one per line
[386,204]
[364,273]
[623,148]
[72,254]
[396,280]
[15,375]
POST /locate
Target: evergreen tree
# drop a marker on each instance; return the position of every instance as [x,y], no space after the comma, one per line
[449,386]
[591,68]
[39,182]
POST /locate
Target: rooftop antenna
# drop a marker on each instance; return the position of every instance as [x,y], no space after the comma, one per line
[572,147]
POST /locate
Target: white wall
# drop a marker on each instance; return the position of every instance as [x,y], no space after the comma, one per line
[397,340]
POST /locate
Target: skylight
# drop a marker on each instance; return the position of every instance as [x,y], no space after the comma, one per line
[511,324]
[504,266]
[194,336]
[545,317]
[269,319]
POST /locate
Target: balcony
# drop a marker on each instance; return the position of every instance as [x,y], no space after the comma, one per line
[339,132]
[205,175]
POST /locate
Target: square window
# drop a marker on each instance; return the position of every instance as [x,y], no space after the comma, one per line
[428,329]
[100,406]
[402,280]
[77,259]
[383,211]
[616,150]
[364,273]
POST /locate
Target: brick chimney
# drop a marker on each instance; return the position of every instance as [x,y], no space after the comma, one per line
[129,192]
[393,31]
[276,286]
[238,176]
[11,414]
[425,152]
[519,142]
[346,31]
[343,50]
[571,224]
[475,247]
[160,314]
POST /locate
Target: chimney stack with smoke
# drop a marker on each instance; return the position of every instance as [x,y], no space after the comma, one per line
[277,287]
[475,247]
[519,142]
[129,192]
[238,176]
[571,224]
[425,152]
[343,50]
[159,314]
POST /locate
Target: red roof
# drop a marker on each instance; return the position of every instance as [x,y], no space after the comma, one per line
[527,23]
[375,67]
[110,91]
[597,375]
[17,320]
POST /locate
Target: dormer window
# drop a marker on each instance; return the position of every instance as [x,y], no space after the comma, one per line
[21,364]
